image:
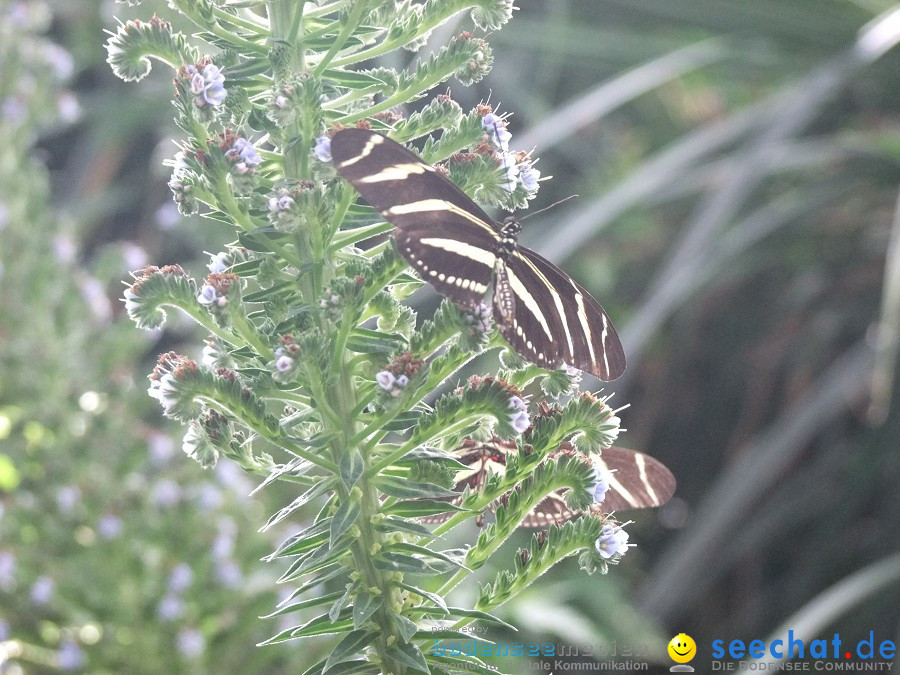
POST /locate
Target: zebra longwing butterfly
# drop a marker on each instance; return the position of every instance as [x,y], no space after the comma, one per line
[457,248]
[636,480]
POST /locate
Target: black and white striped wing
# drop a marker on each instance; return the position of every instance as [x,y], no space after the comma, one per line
[442,233]
[548,318]
[636,480]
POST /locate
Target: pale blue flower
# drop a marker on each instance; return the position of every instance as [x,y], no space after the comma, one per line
[613,541]
[322,149]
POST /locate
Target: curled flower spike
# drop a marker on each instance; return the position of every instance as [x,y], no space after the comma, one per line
[613,541]
[207,85]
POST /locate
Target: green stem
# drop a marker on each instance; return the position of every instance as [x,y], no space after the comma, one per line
[346,31]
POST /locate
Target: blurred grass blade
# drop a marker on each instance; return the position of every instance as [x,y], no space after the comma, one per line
[606,97]
[822,611]
[888,334]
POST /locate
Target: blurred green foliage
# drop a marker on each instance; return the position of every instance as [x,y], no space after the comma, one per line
[738,169]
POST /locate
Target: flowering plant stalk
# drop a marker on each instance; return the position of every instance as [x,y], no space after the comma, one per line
[315,373]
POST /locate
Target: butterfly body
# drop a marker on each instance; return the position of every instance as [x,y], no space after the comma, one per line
[456,247]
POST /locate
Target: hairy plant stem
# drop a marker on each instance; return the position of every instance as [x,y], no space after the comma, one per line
[342,400]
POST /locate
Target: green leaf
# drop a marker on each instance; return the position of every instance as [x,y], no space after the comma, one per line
[365,341]
[336,608]
[478,614]
[399,562]
[300,501]
[421,550]
[352,467]
[346,668]
[422,507]
[434,597]
[405,627]
[364,606]
[409,655]
[352,79]
[345,516]
[321,625]
[352,643]
[469,664]
[407,489]
[304,604]
[394,524]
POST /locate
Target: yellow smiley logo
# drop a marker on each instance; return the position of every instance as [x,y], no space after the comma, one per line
[682,648]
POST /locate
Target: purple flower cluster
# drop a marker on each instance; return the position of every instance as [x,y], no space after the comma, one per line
[613,541]
[519,418]
[393,384]
[207,85]
[519,168]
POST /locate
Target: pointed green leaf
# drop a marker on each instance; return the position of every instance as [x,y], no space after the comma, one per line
[345,516]
[409,655]
[305,604]
[398,562]
[351,467]
[395,524]
[422,507]
[434,597]
[339,604]
[300,501]
[364,606]
[405,627]
[352,644]
[407,489]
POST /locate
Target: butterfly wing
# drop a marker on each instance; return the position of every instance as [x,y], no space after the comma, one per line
[636,480]
[442,233]
[554,320]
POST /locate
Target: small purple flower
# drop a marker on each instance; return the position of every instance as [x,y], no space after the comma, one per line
[208,295]
[166,493]
[243,155]
[70,656]
[322,149]
[110,526]
[161,448]
[7,569]
[207,86]
[512,174]
[601,486]
[401,381]
[229,574]
[520,422]
[4,630]
[496,127]
[180,578]
[67,497]
[219,263]
[613,541]
[284,364]
[191,643]
[223,546]
[42,590]
[170,608]
[529,176]
[209,497]
[385,379]
[480,319]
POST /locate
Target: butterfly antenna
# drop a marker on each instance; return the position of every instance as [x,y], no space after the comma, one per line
[556,203]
